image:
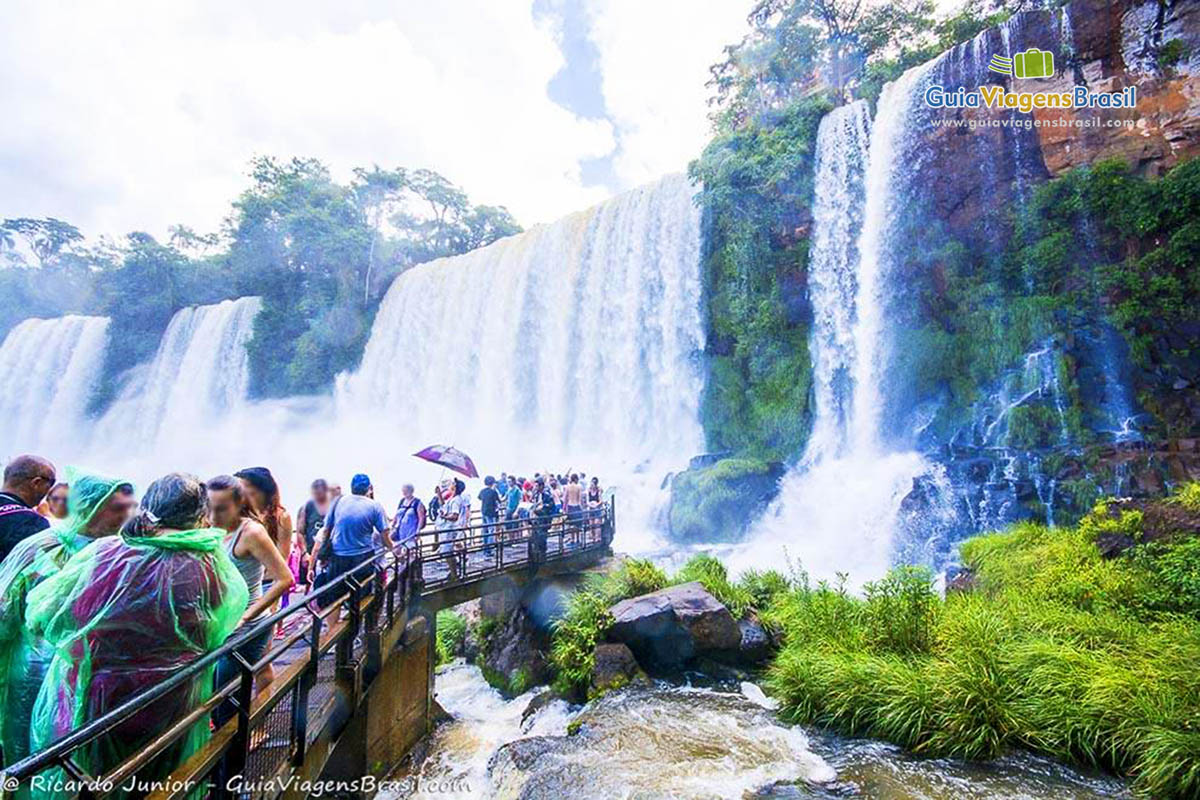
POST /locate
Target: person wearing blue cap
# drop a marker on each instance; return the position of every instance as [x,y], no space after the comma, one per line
[351,525]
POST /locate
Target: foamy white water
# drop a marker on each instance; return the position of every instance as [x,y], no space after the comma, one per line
[50,368]
[685,743]
[571,346]
[838,508]
[174,412]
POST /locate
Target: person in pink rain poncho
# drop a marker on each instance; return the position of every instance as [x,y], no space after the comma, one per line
[125,614]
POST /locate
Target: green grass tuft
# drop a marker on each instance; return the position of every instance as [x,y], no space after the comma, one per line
[1058,650]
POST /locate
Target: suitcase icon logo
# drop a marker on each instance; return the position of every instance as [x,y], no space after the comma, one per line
[1032,63]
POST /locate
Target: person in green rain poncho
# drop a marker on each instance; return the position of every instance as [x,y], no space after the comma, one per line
[126,613]
[97,507]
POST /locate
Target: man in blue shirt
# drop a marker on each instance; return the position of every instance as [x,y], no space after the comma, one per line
[351,525]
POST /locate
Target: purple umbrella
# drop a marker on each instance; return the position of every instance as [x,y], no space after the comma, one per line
[450,458]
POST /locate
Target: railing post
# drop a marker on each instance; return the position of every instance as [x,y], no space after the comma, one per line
[84,780]
[238,754]
[392,588]
[346,668]
[373,656]
[303,688]
[610,522]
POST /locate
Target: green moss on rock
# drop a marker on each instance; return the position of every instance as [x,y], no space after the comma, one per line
[757,197]
[717,502]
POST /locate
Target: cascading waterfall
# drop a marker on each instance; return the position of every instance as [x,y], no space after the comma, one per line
[572,345]
[51,367]
[833,275]
[197,381]
[840,506]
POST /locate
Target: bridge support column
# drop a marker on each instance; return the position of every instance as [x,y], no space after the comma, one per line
[395,712]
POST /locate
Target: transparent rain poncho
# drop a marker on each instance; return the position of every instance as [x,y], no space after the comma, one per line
[24,656]
[125,614]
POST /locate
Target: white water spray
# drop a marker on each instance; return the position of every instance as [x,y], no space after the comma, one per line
[172,411]
[50,368]
[573,345]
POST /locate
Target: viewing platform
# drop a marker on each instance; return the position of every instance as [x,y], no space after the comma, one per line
[353,685]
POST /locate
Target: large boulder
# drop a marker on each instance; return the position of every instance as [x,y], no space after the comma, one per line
[755,645]
[649,626]
[707,620]
[664,629]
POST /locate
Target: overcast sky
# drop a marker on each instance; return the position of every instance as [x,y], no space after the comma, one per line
[124,115]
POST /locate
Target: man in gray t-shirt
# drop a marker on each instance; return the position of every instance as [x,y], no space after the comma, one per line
[351,525]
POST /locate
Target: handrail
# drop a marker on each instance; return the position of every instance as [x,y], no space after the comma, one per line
[392,570]
[52,754]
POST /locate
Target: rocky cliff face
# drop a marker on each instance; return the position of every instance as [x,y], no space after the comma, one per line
[1105,45]
[1021,382]
[1025,352]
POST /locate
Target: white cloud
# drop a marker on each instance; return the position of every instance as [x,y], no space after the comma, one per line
[654,59]
[137,114]
[123,115]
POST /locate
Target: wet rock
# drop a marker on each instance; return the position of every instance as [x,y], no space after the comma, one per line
[717,500]
[537,703]
[439,714]
[649,626]
[1112,544]
[514,657]
[674,623]
[962,580]
[665,629]
[755,646]
[709,622]
[615,666]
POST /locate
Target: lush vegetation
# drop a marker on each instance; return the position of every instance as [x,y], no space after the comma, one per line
[586,620]
[451,632]
[1099,246]
[1056,649]
[798,59]
[757,193]
[710,503]
[795,47]
[320,253]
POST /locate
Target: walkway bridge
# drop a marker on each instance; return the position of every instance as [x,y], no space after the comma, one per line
[353,677]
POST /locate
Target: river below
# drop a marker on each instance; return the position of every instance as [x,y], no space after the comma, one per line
[689,742]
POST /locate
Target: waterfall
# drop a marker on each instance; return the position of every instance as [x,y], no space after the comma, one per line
[197,381]
[571,345]
[841,162]
[840,506]
[574,345]
[51,366]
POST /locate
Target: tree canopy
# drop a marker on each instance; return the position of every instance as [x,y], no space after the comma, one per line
[848,48]
[320,253]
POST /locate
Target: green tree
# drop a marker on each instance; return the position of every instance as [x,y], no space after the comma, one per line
[376,191]
[46,238]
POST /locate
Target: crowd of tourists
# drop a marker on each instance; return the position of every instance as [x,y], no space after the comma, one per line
[102,597]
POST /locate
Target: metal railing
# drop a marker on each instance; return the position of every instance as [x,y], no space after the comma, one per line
[327,656]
